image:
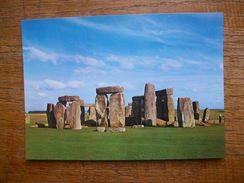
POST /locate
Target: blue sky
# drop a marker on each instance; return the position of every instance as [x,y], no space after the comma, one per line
[74,56]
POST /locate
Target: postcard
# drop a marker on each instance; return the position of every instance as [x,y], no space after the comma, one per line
[124,87]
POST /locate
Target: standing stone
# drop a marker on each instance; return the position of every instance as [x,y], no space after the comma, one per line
[150,104]
[59,114]
[137,108]
[185,113]
[128,110]
[206,114]
[165,105]
[117,110]
[196,109]
[101,104]
[92,113]
[50,116]
[73,113]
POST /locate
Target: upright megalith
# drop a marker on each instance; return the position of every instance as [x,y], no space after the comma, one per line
[73,113]
[101,104]
[196,109]
[112,113]
[138,108]
[165,105]
[150,104]
[185,112]
[206,114]
[59,114]
[92,113]
[50,116]
[117,110]
[128,110]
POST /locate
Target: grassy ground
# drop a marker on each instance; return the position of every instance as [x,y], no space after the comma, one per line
[149,143]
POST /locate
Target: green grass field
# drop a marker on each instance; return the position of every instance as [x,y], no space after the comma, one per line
[149,143]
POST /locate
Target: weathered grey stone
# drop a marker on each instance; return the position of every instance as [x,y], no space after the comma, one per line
[117,110]
[101,104]
[196,109]
[109,89]
[101,129]
[83,114]
[59,114]
[185,113]
[165,108]
[73,113]
[68,98]
[50,116]
[150,104]
[119,129]
[138,108]
[92,113]
[130,121]
[206,114]
[168,91]
[128,110]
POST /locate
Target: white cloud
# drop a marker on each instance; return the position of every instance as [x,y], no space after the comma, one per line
[75,84]
[221,66]
[89,70]
[34,53]
[37,54]
[42,94]
[171,64]
[126,62]
[52,84]
[89,61]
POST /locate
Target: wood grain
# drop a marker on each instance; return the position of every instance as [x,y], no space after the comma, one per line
[14,167]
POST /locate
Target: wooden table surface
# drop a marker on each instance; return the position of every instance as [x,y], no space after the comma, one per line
[14,167]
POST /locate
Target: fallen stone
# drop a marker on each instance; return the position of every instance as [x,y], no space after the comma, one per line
[100,129]
[109,89]
[150,104]
[161,122]
[138,126]
[101,104]
[115,129]
[117,110]
[185,113]
[59,114]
